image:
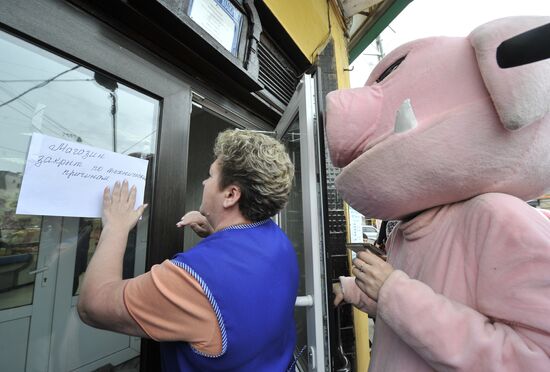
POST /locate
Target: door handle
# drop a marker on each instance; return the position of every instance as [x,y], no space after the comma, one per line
[42,269]
[304,301]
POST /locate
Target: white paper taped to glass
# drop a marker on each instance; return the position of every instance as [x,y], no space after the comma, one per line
[64,178]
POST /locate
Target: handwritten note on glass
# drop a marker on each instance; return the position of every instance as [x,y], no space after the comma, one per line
[64,178]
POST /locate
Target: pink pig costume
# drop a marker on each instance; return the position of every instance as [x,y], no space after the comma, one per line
[453,145]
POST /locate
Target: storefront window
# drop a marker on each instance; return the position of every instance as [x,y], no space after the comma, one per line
[43,259]
[39,93]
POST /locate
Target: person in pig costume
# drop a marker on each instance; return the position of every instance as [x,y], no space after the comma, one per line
[444,140]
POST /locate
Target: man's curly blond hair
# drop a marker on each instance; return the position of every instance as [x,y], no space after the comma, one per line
[260,166]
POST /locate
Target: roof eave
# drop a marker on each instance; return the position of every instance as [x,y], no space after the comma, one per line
[374,25]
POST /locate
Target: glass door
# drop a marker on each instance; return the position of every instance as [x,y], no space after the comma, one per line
[43,259]
[204,127]
[301,221]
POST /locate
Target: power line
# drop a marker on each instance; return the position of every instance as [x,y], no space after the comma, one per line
[42,84]
[53,124]
[35,81]
[141,140]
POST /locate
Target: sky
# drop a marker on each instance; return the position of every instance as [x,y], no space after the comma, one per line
[423,18]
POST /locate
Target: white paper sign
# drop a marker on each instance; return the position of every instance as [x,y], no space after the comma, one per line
[64,178]
[355,226]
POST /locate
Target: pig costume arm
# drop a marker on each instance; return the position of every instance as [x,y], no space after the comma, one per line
[498,319]
[355,296]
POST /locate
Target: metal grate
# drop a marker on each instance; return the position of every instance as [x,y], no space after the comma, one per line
[275,73]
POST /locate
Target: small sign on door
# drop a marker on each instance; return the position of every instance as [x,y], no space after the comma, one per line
[64,178]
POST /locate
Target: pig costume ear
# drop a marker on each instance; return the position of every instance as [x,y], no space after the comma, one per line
[521,95]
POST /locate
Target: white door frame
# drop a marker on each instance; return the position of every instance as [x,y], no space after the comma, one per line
[303,104]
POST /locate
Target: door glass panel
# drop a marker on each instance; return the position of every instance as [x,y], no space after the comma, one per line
[204,129]
[292,222]
[43,93]
[19,237]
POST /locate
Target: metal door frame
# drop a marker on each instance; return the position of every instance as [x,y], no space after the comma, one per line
[303,104]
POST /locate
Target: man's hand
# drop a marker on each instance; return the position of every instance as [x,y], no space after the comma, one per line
[370,273]
[198,222]
[118,207]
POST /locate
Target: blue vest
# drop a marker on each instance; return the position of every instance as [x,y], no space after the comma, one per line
[250,275]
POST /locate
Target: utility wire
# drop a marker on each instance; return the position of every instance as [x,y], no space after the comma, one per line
[44,83]
[53,124]
[34,80]
[138,142]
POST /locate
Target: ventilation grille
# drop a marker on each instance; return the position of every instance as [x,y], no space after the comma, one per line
[275,73]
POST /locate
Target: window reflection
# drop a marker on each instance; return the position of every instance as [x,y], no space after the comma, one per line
[292,222]
[42,93]
[204,128]
[19,237]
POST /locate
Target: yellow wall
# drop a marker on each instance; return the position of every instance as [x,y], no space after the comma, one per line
[307,22]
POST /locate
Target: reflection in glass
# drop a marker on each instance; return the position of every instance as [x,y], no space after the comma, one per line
[204,129]
[19,237]
[42,93]
[89,230]
[292,222]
